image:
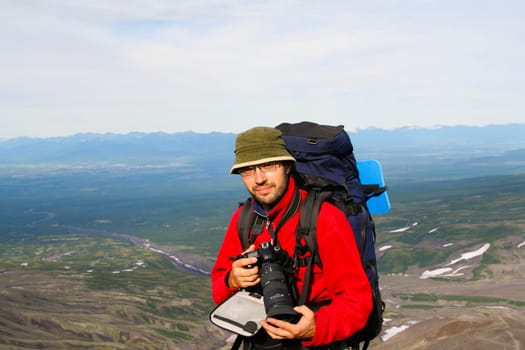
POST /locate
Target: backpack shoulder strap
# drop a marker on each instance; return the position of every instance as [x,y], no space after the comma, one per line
[248,221]
[307,228]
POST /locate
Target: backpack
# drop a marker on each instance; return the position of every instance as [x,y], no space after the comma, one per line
[326,167]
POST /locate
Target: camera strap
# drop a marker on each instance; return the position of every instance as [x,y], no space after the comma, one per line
[290,212]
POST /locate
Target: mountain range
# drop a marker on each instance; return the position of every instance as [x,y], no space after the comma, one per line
[449,152]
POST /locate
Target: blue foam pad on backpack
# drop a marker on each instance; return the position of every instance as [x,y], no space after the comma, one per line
[370,172]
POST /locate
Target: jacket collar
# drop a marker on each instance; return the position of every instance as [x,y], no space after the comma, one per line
[280,208]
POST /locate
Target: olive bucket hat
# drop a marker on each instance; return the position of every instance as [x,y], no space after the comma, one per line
[257,146]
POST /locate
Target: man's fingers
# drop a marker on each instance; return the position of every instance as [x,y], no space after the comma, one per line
[251,248]
[242,262]
[274,330]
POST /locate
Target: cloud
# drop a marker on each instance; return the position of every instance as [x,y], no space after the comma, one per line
[226,65]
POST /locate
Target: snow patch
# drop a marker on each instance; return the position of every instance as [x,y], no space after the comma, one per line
[434,273]
[389,333]
[464,256]
[456,272]
[499,307]
[470,255]
[402,229]
[406,228]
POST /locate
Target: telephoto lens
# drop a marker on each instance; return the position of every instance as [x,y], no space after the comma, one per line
[278,300]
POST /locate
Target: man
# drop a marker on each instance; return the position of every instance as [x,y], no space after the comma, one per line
[340,296]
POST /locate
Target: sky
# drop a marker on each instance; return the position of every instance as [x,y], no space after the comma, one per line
[119,66]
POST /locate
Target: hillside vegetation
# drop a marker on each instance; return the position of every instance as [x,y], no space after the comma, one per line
[75,291]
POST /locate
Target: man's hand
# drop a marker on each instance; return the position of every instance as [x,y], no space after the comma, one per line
[243,276]
[304,329]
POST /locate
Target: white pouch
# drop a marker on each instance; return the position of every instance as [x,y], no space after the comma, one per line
[240,313]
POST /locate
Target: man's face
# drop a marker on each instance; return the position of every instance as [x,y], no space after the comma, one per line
[266,182]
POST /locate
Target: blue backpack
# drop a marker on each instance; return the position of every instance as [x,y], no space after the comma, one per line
[326,167]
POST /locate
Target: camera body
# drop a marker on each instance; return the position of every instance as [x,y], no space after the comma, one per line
[272,262]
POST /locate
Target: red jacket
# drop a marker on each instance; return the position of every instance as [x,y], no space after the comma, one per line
[341,280]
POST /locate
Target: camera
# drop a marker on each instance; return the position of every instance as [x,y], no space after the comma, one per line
[272,262]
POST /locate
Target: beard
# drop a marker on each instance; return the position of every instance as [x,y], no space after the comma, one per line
[271,194]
